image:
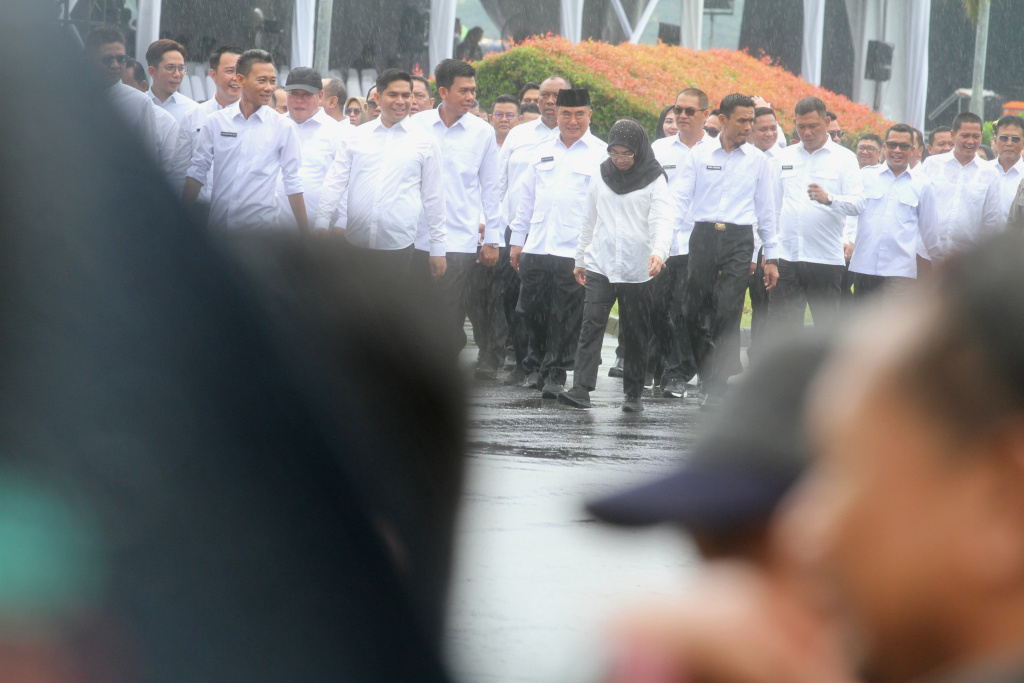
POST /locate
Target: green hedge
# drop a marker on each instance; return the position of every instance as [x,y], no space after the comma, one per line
[510,71]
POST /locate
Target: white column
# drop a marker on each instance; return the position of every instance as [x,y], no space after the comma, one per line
[919,14]
[572,20]
[147,28]
[303,24]
[442,31]
[814,36]
[691,23]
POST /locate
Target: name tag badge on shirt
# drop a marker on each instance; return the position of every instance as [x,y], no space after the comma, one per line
[787,168]
[668,167]
[714,168]
[226,134]
[544,160]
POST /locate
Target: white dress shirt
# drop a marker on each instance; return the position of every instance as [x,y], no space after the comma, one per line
[720,187]
[808,230]
[177,105]
[380,183]
[620,232]
[671,152]
[469,156]
[168,138]
[136,111]
[188,138]
[896,212]
[1009,181]
[968,197]
[554,195]
[320,139]
[250,154]
[513,160]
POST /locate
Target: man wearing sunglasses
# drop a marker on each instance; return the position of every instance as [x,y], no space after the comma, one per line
[670,333]
[1007,144]
[966,187]
[900,208]
[166,60]
[835,131]
[818,185]
[106,58]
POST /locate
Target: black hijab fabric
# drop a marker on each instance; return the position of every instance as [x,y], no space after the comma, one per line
[646,168]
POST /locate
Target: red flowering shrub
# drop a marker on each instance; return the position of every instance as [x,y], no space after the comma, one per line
[639,80]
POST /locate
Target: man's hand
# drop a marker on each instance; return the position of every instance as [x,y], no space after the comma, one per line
[480,239]
[438,267]
[338,230]
[581,275]
[488,256]
[761,102]
[817,193]
[654,265]
[848,251]
[753,267]
[513,256]
[190,192]
[771,275]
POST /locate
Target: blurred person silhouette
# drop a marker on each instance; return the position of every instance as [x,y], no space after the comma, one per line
[201,475]
[105,58]
[135,75]
[529,112]
[334,99]
[469,49]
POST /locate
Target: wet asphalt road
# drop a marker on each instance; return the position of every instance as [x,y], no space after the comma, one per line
[537,579]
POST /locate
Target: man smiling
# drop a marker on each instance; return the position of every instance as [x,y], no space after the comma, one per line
[166,60]
[248,145]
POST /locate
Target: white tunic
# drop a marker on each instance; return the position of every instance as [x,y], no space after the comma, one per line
[620,232]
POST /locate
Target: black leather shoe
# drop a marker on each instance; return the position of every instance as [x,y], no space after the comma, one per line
[535,380]
[551,390]
[516,377]
[616,370]
[674,389]
[577,397]
[632,404]
[486,370]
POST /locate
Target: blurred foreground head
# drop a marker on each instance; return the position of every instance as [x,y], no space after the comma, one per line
[204,472]
[914,513]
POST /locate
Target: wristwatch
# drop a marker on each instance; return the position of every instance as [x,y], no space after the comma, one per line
[828,197]
[771,261]
[492,246]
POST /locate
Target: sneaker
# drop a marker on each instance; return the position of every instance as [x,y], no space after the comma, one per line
[535,380]
[516,377]
[486,370]
[674,389]
[577,397]
[616,369]
[632,404]
[551,390]
[648,381]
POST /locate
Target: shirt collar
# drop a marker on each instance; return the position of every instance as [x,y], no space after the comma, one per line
[742,148]
[1018,166]
[263,112]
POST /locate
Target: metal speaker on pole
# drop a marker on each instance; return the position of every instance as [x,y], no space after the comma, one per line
[878,66]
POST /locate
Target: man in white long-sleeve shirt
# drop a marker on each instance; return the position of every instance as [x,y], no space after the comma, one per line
[383,177]
[818,185]
[513,161]
[320,139]
[900,208]
[105,57]
[624,241]
[166,59]
[726,187]
[966,189]
[1007,143]
[545,234]
[469,156]
[252,145]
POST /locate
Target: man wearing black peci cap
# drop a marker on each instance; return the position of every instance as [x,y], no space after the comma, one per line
[545,234]
[749,456]
[320,140]
[726,187]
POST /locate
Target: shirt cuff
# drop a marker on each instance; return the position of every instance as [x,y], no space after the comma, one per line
[769,252]
[518,239]
[321,224]
[438,248]
[492,236]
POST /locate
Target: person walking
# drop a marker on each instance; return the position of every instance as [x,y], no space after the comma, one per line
[624,242]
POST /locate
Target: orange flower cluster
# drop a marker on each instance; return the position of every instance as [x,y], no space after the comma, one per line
[647,77]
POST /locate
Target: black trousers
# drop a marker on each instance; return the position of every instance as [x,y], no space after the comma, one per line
[719,268]
[758,308]
[867,287]
[486,311]
[510,300]
[634,325]
[801,284]
[455,289]
[670,351]
[552,304]
[388,260]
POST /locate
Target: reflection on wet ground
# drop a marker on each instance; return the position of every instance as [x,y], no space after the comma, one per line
[536,579]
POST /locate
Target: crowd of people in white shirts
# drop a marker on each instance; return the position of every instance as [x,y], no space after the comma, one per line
[533,227]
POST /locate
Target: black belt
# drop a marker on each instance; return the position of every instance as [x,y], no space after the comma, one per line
[721,226]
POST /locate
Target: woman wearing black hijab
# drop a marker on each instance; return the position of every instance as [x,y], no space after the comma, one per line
[624,241]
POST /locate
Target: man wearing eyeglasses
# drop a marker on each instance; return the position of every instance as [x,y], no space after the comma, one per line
[900,208]
[166,60]
[504,117]
[372,108]
[818,185]
[835,131]
[670,333]
[545,235]
[1007,144]
[726,187]
[967,188]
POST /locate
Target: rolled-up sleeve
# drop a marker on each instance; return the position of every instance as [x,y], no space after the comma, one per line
[202,158]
